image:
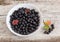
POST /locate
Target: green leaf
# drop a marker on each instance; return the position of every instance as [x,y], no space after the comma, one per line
[46,27]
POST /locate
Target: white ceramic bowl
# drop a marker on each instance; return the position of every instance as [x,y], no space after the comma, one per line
[26,5]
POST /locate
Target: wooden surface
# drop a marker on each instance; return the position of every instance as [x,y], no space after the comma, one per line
[51,7]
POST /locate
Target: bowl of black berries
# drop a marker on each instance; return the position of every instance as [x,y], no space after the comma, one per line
[24,20]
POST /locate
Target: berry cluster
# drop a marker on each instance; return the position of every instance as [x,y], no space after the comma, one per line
[24,21]
[48,27]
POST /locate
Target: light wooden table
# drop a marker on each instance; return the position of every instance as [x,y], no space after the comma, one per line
[51,7]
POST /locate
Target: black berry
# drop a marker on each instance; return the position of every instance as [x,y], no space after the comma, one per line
[24,21]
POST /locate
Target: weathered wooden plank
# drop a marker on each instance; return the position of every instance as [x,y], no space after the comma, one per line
[46,7]
[50,7]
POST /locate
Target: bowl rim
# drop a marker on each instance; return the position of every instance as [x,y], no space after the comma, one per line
[9,27]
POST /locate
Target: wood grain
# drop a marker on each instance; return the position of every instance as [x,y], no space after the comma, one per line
[51,7]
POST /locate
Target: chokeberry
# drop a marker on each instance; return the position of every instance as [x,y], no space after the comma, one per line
[24,21]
